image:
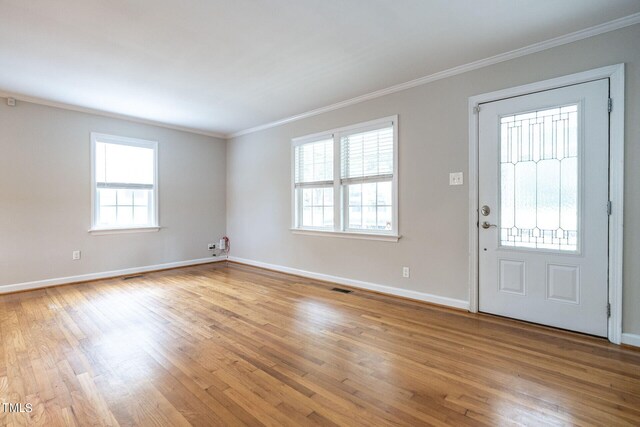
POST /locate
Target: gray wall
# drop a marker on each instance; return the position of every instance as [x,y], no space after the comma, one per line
[433,138]
[45,196]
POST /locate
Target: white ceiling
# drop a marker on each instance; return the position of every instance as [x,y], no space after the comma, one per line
[226,65]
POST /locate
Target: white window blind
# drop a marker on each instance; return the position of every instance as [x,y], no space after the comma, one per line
[346,181]
[367,156]
[314,163]
[124,182]
[124,166]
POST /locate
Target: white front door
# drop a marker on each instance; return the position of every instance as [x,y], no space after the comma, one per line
[543,207]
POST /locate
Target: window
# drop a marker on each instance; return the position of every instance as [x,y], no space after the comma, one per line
[314,183]
[124,183]
[345,180]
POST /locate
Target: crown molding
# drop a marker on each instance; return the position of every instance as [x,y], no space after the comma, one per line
[71,107]
[496,59]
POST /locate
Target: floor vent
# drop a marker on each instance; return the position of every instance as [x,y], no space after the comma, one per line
[135,276]
[342,291]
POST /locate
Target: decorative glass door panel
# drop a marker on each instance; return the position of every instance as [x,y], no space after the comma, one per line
[542,214]
[539,179]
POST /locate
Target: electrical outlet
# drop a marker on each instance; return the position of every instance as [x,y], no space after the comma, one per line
[406,272]
[456,178]
[75,255]
[211,246]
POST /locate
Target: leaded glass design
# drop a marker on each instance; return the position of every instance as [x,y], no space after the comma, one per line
[539,179]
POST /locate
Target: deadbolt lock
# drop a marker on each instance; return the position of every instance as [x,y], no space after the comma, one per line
[485,210]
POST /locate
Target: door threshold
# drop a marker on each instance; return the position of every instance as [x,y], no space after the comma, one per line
[540,326]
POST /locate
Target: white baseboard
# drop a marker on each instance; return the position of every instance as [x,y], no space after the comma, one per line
[627,338]
[5,289]
[631,339]
[420,296]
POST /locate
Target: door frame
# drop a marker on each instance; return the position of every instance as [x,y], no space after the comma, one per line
[615,74]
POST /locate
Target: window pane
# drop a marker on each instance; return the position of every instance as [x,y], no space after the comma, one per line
[106,216]
[124,215]
[355,195]
[328,198]
[141,197]
[307,218]
[369,194]
[318,213]
[116,207]
[318,196]
[117,163]
[328,217]
[307,197]
[107,197]
[384,194]
[317,207]
[125,197]
[370,206]
[355,217]
[140,215]
[369,218]
[384,218]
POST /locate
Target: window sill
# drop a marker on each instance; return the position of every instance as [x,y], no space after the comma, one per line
[347,234]
[103,231]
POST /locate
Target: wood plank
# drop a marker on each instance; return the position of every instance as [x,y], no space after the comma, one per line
[237,345]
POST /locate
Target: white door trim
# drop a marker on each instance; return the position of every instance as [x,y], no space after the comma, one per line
[615,74]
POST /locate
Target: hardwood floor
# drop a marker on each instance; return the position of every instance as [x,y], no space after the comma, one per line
[215,345]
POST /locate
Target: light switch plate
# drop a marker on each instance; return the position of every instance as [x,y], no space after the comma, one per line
[456,178]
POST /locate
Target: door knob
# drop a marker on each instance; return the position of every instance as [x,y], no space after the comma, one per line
[486,225]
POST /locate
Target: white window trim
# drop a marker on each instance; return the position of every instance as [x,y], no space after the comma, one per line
[340,214]
[123,230]
[114,139]
[346,234]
